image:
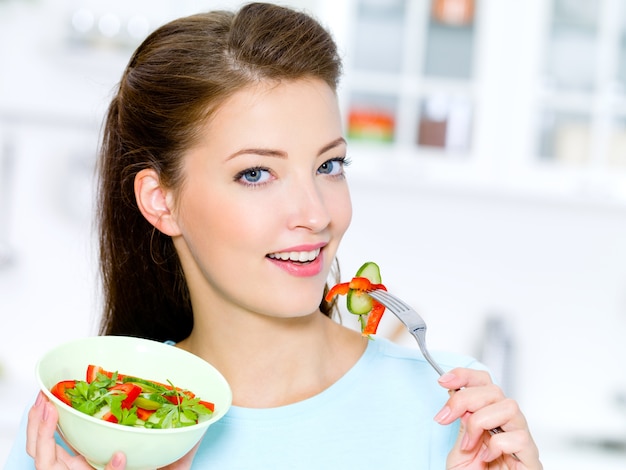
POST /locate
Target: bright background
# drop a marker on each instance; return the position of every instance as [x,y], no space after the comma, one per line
[491,188]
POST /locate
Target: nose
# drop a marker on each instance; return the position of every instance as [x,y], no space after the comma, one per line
[309,206]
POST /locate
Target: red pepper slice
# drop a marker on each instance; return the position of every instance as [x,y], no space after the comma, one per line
[361,285]
[337,289]
[373,318]
[60,388]
[207,404]
[131,390]
[144,414]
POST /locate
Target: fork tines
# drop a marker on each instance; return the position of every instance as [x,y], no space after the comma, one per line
[388,300]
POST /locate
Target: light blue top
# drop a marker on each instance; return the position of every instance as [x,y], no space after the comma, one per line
[378,415]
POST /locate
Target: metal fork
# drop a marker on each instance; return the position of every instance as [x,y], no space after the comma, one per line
[411,319]
[417,327]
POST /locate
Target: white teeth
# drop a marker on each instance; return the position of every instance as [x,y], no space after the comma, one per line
[299,256]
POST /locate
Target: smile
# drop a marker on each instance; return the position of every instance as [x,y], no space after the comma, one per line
[298,256]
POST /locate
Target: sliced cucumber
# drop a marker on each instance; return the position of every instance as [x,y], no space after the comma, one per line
[147,403]
[371,271]
[146,385]
[360,303]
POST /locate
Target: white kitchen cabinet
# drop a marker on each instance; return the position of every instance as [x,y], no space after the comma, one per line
[524,98]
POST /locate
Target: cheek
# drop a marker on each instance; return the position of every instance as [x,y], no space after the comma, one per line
[227,225]
[203,221]
[341,211]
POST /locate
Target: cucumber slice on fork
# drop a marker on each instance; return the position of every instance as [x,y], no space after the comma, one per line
[360,303]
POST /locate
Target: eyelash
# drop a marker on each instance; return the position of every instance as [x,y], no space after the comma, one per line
[344,161]
[239,177]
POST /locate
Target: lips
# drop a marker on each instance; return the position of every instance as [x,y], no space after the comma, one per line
[296,256]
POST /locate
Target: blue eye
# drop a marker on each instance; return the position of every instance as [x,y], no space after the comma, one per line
[253,176]
[333,167]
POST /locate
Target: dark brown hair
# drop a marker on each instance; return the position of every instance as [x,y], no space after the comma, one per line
[173,83]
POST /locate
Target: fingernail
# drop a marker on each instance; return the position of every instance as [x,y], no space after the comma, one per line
[484,453]
[39,399]
[117,461]
[443,414]
[465,442]
[447,377]
[44,415]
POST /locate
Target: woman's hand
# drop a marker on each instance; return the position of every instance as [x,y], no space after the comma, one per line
[482,406]
[42,447]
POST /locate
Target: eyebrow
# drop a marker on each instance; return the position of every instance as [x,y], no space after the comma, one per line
[280,154]
[331,145]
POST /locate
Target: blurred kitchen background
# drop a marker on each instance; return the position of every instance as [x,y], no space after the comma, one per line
[488,141]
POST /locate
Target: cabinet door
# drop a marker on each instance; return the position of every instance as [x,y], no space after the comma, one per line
[581,113]
[410,73]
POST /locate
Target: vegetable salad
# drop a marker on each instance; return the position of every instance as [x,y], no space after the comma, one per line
[132,401]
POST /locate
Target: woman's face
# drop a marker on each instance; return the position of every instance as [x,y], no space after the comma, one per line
[265,201]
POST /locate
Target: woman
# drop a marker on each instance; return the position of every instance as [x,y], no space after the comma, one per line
[223,200]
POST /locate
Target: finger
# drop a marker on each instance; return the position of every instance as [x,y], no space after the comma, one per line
[468,400]
[32,426]
[117,462]
[507,444]
[45,446]
[462,377]
[504,415]
[475,398]
[458,457]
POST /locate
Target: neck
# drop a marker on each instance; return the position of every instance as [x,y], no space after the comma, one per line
[276,361]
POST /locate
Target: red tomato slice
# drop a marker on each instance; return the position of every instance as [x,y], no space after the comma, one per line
[59,390]
[176,399]
[131,390]
[110,417]
[93,371]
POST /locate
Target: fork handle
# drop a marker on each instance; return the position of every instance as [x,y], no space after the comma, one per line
[430,360]
[420,336]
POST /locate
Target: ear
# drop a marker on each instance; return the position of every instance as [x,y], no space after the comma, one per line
[154,202]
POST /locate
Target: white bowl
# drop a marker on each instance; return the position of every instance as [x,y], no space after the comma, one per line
[145,449]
